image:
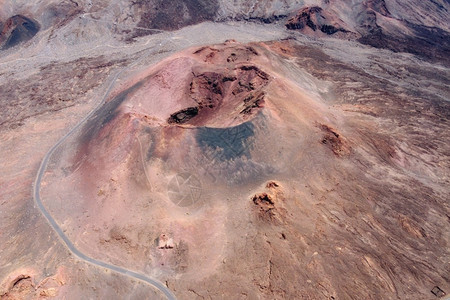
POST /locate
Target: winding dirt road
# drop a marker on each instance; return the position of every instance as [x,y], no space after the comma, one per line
[36,195]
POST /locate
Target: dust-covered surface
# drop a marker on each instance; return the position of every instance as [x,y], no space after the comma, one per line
[293,150]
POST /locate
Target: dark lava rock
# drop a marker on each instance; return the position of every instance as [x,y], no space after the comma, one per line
[427,42]
[16,30]
[265,20]
[172,15]
[329,29]
[183,116]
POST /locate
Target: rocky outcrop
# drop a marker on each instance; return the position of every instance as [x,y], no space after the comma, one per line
[390,33]
[269,204]
[213,90]
[334,141]
[373,24]
[23,285]
[236,90]
[317,20]
[309,16]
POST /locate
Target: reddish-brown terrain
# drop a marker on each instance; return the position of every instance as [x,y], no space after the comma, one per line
[286,151]
[295,188]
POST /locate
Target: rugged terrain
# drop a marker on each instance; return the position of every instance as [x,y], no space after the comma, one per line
[265,150]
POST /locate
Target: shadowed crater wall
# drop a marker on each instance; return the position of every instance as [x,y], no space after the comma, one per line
[16,30]
[106,114]
[230,143]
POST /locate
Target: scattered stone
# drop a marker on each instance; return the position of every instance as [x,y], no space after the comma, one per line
[272,184]
[165,242]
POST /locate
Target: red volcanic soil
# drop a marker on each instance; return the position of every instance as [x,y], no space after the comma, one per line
[310,167]
[265,170]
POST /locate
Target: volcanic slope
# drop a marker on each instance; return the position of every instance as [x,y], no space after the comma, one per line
[239,170]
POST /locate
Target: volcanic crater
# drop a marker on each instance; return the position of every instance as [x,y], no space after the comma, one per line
[307,164]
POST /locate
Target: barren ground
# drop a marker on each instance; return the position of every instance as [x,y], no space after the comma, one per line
[231,160]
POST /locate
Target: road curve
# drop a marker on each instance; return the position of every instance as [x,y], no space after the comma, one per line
[36,195]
